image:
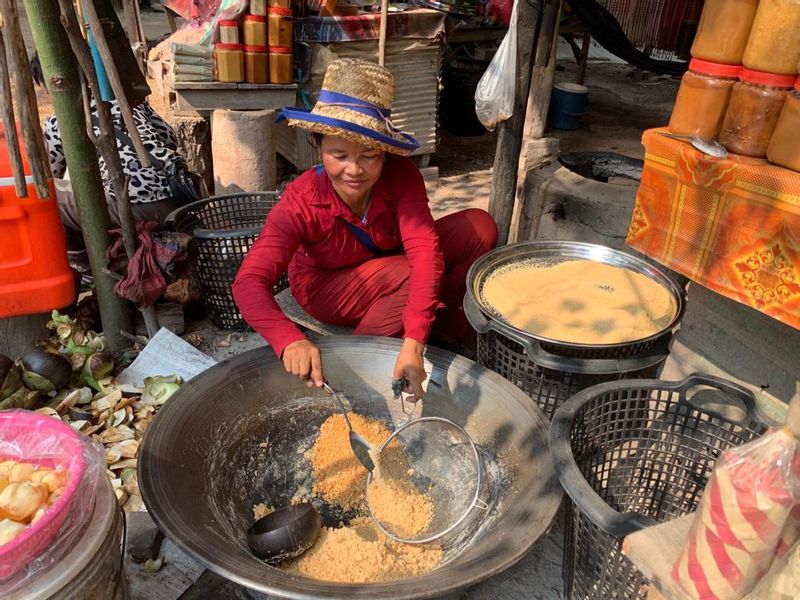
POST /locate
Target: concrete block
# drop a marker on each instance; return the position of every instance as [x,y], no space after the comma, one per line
[243,150]
[559,204]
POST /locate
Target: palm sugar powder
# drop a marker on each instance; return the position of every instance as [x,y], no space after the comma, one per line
[360,553]
[339,478]
[579,301]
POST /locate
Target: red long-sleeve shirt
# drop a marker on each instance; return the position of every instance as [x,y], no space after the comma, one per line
[306,232]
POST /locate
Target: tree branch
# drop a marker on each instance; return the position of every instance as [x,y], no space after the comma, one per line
[10,124]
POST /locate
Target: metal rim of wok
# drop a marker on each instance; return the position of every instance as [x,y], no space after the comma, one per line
[530,503]
[475,496]
[503,256]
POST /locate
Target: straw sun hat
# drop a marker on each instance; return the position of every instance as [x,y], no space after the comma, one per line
[355,103]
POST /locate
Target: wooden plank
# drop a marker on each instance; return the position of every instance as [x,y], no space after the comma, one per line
[670,539]
[222,85]
[295,312]
[206,100]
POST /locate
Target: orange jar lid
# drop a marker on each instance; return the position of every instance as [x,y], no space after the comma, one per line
[797,84]
[278,10]
[767,79]
[256,49]
[706,67]
[256,18]
[280,50]
[229,23]
[221,46]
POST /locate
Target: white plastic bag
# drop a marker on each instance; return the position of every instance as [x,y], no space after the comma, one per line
[494,97]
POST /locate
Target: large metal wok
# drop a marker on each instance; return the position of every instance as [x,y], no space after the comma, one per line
[235,436]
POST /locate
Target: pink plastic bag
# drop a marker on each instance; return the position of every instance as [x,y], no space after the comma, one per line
[745,518]
[43,441]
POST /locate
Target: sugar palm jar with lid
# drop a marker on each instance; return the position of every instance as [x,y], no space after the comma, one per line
[703,99]
[724,30]
[774,43]
[753,112]
[784,148]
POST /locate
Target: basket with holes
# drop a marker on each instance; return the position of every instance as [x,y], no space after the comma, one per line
[43,442]
[223,229]
[634,453]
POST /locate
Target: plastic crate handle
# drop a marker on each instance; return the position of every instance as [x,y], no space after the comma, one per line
[589,366]
[613,522]
[729,388]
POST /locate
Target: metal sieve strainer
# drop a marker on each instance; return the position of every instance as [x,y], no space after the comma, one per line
[428,465]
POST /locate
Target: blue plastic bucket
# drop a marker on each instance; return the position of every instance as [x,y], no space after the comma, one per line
[567,105]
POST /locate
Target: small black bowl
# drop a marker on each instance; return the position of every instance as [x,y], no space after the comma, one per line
[285,533]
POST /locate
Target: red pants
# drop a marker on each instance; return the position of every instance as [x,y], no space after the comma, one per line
[371,296]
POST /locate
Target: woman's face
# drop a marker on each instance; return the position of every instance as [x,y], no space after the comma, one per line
[352,168]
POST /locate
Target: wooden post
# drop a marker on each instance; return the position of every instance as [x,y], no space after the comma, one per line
[116,83]
[382,33]
[106,143]
[543,71]
[10,124]
[63,83]
[26,99]
[509,138]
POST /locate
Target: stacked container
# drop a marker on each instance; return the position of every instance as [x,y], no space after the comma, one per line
[280,44]
[745,61]
[229,54]
[255,49]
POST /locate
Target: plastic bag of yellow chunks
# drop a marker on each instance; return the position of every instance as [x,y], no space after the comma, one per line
[34,475]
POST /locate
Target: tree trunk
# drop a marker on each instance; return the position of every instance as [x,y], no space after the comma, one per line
[63,83]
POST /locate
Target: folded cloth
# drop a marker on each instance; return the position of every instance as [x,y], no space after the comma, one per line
[143,283]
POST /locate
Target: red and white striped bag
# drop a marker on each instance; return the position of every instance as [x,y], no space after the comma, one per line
[747,515]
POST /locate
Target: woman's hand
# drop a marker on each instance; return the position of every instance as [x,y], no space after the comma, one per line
[302,358]
[409,366]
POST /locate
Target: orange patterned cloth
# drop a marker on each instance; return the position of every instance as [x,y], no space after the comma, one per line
[731,225]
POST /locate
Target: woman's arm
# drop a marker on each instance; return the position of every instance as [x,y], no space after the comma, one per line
[263,266]
[426,266]
[421,245]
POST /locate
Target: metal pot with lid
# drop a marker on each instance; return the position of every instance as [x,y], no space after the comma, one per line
[551,370]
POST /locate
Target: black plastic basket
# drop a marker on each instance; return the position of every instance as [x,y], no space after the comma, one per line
[634,453]
[223,228]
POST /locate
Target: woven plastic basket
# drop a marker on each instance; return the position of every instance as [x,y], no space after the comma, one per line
[223,229]
[634,453]
[47,442]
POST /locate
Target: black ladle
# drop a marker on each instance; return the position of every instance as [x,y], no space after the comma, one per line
[285,533]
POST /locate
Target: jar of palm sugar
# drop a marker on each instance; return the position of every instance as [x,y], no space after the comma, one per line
[774,44]
[256,64]
[230,62]
[723,30]
[280,27]
[784,148]
[280,65]
[703,98]
[753,112]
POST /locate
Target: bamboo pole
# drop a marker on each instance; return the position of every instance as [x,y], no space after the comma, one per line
[26,99]
[61,74]
[106,142]
[382,33]
[10,124]
[509,132]
[116,83]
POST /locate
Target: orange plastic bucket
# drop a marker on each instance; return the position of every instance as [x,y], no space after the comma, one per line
[34,274]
